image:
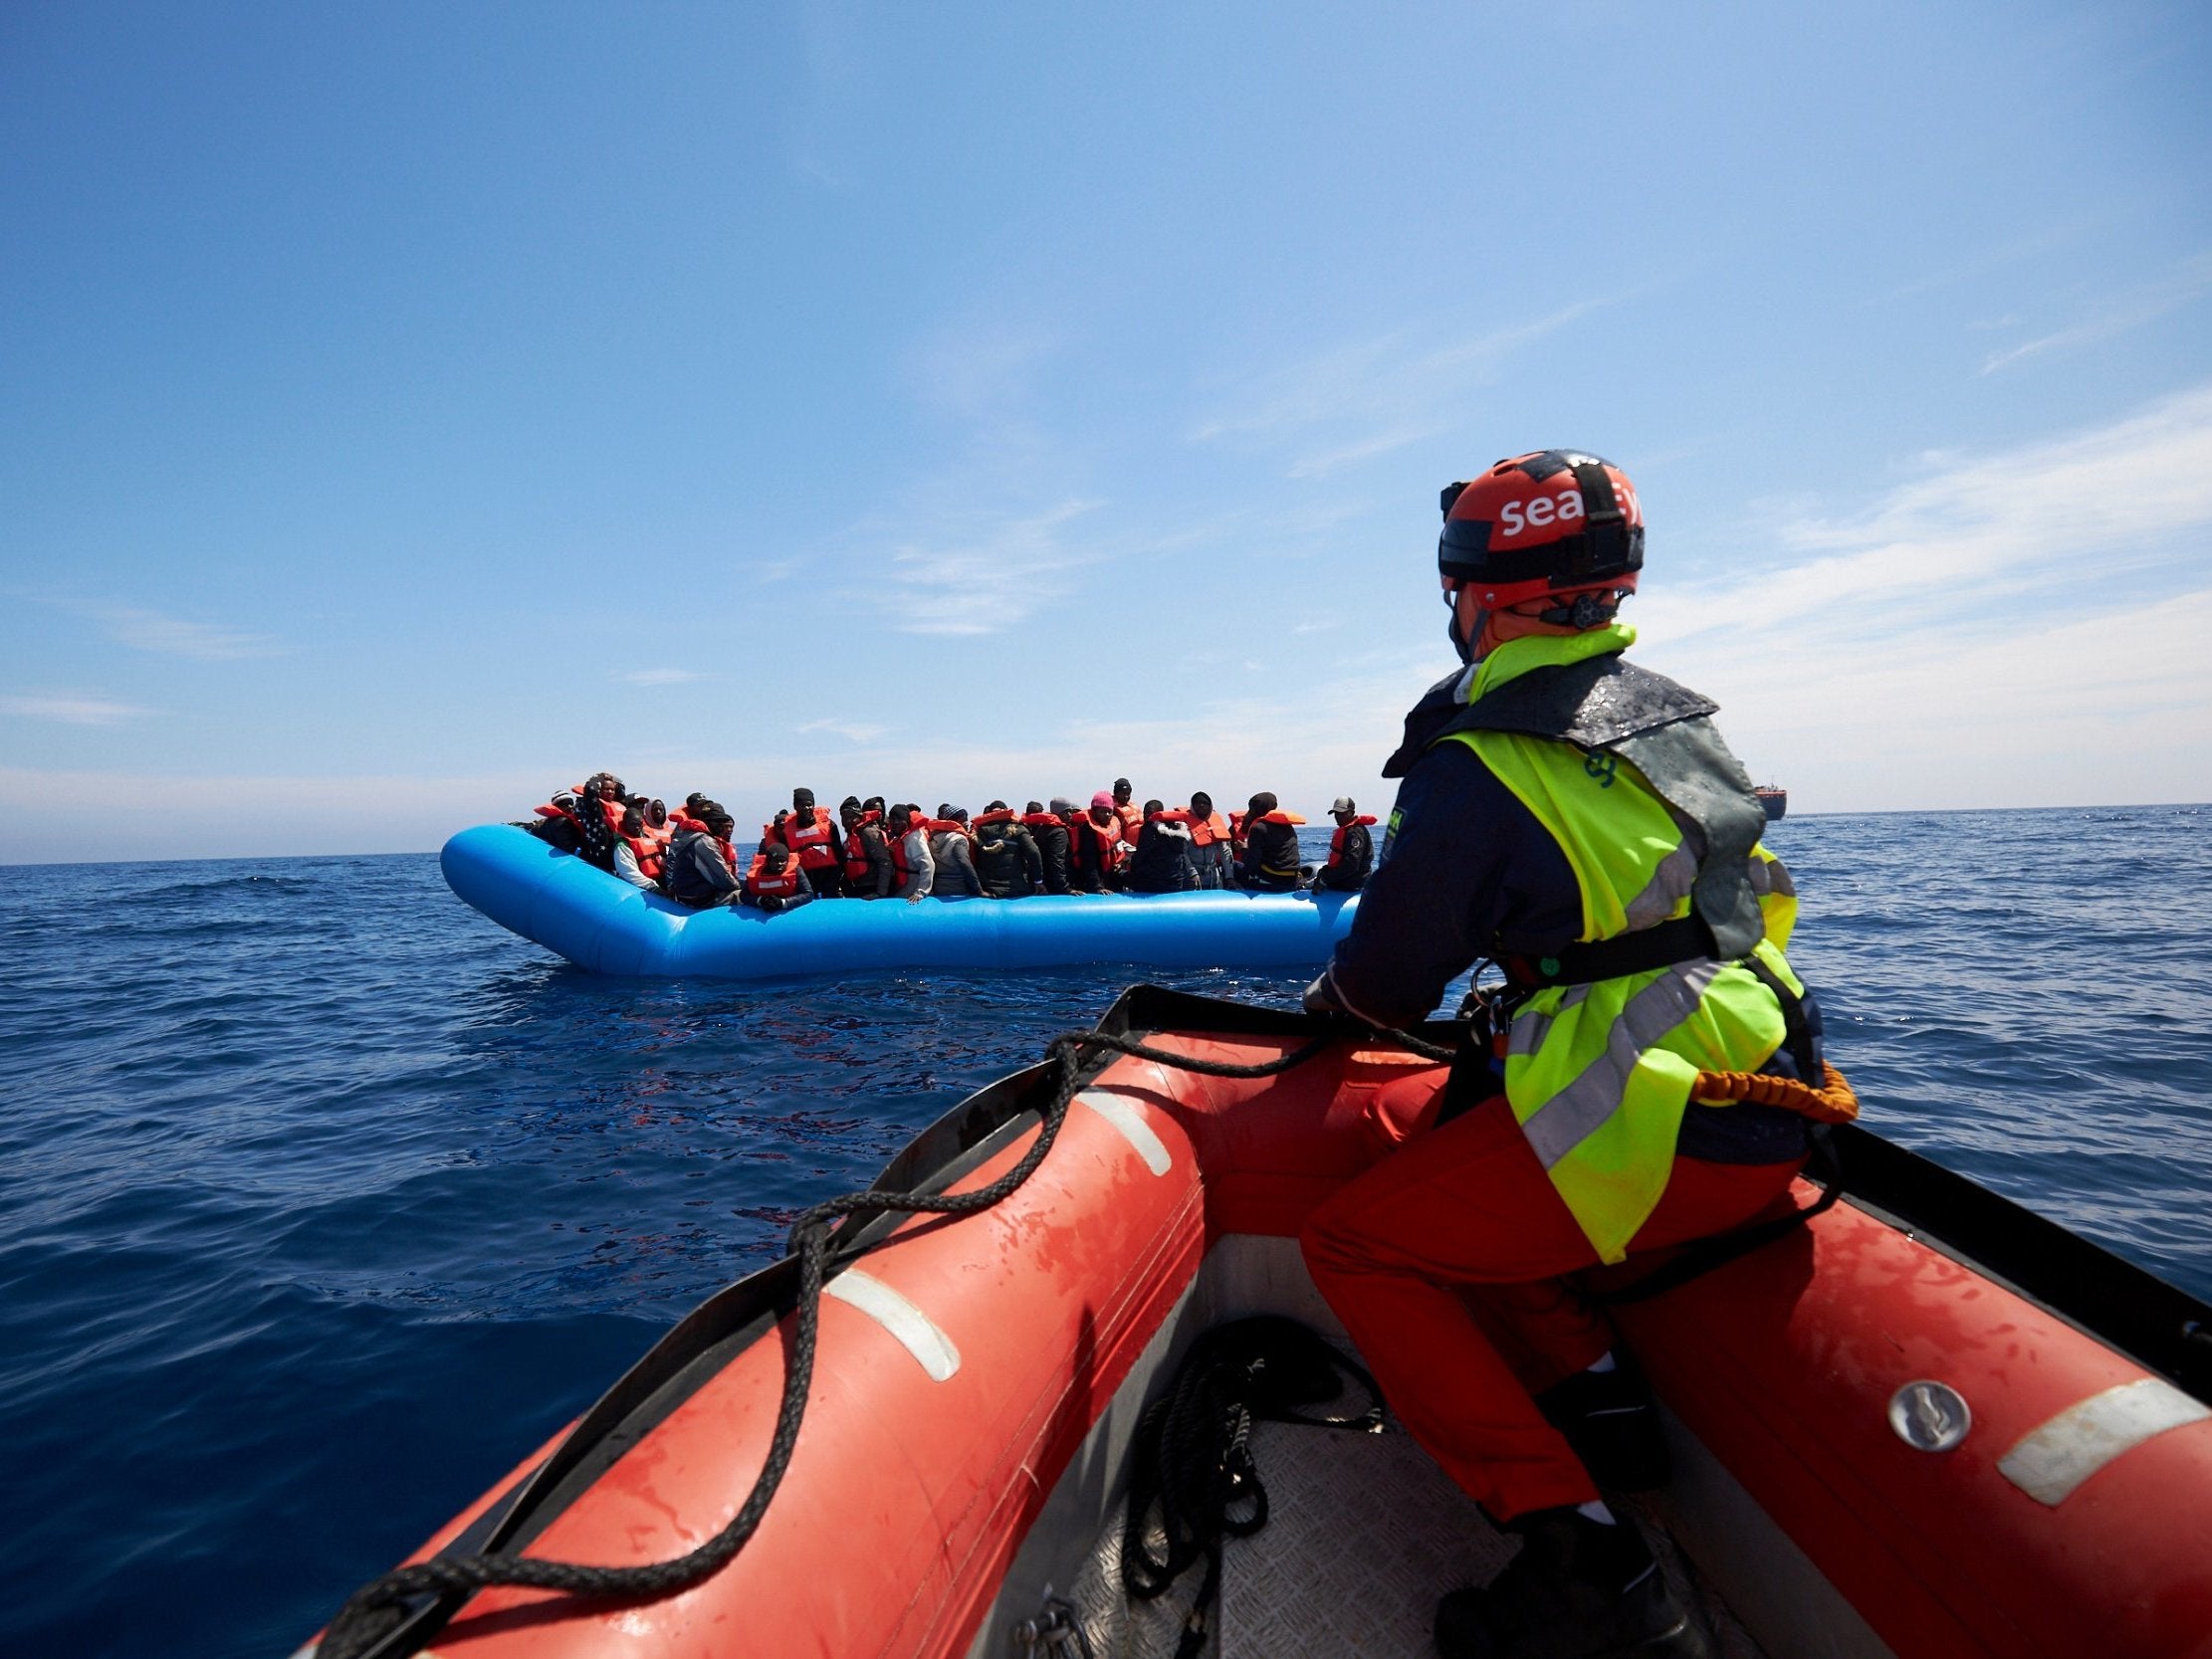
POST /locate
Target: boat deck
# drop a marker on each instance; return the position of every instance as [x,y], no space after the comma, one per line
[1364,1534]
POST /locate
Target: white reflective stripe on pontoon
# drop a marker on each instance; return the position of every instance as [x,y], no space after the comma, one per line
[2051,1462]
[916,1332]
[1122,1112]
[1578,1110]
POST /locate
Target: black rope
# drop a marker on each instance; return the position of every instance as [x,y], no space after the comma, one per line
[1193,1480]
[377,1609]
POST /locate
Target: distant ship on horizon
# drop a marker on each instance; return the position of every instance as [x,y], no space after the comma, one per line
[1774,798]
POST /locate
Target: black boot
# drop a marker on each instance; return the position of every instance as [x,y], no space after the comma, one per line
[1610,1420]
[1579,1590]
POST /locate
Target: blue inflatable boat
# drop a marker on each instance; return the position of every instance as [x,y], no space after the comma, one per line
[559,901]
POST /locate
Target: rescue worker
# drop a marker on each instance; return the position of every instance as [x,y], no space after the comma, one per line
[1095,849]
[1160,862]
[1270,862]
[1351,850]
[637,855]
[911,865]
[702,864]
[1210,847]
[1007,862]
[807,832]
[775,882]
[1580,821]
[1126,809]
[1049,830]
[868,856]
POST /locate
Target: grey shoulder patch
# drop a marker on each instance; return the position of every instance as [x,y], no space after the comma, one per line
[1595,704]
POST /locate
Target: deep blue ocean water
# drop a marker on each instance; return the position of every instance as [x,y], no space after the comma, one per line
[322,1200]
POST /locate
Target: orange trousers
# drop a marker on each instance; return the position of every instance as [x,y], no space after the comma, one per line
[1444,1262]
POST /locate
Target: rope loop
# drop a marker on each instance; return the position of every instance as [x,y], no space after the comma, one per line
[379,1608]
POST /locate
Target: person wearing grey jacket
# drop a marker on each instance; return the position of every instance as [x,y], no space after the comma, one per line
[954,858]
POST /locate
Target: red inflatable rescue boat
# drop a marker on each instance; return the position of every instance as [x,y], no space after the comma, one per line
[1925,1424]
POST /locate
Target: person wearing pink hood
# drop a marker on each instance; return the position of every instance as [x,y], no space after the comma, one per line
[1095,849]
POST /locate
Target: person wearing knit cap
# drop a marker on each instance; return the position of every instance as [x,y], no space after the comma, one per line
[1270,863]
[955,856]
[1049,830]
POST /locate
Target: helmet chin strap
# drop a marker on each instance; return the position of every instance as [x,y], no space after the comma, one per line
[1464,643]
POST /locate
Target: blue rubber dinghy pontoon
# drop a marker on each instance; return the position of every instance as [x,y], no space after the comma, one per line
[569,906]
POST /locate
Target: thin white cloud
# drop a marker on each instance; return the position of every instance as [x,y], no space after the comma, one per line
[853,732]
[2126,311]
[173,636]
[73,711]
[2014,629]
[984,574]
[658,677]
[2083,519]
[1367,398]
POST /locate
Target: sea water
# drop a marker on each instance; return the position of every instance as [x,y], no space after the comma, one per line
[322,1200]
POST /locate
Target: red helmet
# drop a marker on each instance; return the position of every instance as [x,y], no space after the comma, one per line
[1555,522]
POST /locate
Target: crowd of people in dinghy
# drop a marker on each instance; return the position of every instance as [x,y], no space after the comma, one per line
[875,850]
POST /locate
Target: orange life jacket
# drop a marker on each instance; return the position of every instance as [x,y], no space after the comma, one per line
[1108,839]
[1043,820]
[813,838]
[762,882]
[679,819]
[549,811]
[1132,819]
[647,848]
[613,811]
[856,848]
[1208,830]
[1005,815]
[1336,841]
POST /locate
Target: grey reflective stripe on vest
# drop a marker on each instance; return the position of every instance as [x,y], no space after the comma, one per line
[1670,886]
[1530,1027]
[1690,770]
[1582,1107]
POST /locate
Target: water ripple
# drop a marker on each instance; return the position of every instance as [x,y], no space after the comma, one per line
[321,1200]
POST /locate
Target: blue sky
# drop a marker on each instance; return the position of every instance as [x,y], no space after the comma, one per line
[405,409]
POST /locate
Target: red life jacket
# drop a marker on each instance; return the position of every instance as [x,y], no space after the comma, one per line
[679,819]
[813,838]
[1106,837]
[613,810]
[762,882]
[647,848]
[856,849]
[1132,819]
[1043,820]
[898,847]
[549,811]
[1005,815]
[1336,841]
